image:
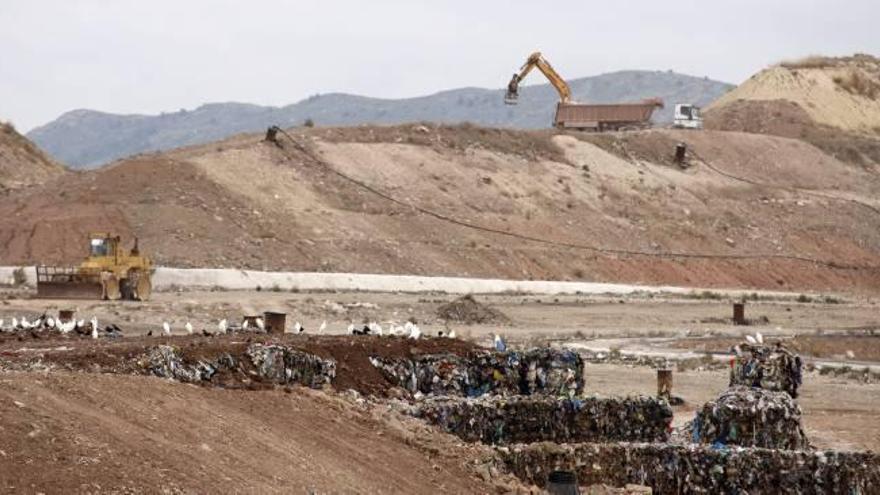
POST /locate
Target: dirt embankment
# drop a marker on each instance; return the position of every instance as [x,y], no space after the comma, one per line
[21,162]
[466,201]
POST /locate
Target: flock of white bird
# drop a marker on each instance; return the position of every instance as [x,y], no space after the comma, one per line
[408,329]
[49,323]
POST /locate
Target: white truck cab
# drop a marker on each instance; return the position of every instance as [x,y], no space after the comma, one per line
[687,116]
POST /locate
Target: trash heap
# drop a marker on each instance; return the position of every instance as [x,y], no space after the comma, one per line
[546,371]
[768,367]
[281,364]
[750,417]
[524,419]
[270,363]
[670,468]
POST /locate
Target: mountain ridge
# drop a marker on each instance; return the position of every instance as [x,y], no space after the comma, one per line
[84,138]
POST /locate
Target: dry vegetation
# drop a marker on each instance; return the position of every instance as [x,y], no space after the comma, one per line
[857,83]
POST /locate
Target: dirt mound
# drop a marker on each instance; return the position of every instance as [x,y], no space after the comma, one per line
[843,93]
[467,310]
[21,162]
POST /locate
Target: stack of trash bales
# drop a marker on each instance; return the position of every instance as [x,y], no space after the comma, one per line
[750,417]
[771,367]
[503,420]
[546,371]
[668,468]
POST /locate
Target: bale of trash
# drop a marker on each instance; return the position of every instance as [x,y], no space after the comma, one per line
[271,363]
[449,374]
[771,367]
[525,419]
[467,310]
[550,371]
[750,417]
[668,468]
[283,365]
[546,371]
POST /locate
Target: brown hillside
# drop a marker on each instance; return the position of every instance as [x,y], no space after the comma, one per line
[751,211]
[21,162]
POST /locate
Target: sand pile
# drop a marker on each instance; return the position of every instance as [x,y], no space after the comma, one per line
[467,310]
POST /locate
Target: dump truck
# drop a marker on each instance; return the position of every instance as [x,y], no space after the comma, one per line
[584,116]
[108,272]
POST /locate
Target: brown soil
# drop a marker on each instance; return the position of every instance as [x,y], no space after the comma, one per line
[491,204]
[94,433]
[467,310]
[21,162]
[352,353]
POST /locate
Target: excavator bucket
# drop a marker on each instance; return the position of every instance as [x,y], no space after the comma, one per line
[67,283]
[512,94]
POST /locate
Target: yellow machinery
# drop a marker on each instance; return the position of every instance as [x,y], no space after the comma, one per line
[537,60]
[108,273]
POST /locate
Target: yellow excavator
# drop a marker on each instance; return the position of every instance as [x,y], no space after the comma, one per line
[107,273]
[583,116]
[537,60]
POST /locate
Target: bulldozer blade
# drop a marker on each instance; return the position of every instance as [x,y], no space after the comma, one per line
[69,290]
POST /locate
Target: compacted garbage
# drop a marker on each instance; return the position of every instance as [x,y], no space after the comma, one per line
[545,371]
[750,417]
[521,419]
[771,367]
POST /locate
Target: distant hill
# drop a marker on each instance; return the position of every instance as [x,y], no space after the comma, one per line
[22,163]
[86,138]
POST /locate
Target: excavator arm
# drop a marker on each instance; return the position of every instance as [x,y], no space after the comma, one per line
[536,60]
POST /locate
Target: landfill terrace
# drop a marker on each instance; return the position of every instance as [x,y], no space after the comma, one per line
[464,409]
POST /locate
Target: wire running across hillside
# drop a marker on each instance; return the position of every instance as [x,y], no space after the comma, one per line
[566,244]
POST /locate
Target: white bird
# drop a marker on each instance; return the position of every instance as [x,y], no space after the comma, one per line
[351,328]
[759,337]
[14,322]
[50,322]
[80,323]
[94,323]
[500,346]
[1,324]
[261,325]
[297,327]
[24,323]
[189,328]
[451,334]
[244,324]
[66,326]
[415,332]
[322,327]
[38,323]
[376,328]
[166,328]
[222,326]
[751,340]
[95,332]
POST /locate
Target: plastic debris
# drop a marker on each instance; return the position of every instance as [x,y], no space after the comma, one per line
[771,367]
[522,419]
[750,417]
[538,371]
[670,468]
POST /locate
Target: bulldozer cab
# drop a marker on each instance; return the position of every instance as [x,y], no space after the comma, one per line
[101,247]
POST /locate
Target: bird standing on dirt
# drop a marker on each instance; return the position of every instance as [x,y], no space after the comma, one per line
[166,328]
[751,340]
[261,325]
[189,328]
[500,346]
[222,325]
[414,331]
[322,327]
[759,337]
[451,334]
[376,328]
[245,324]
[298,328]
[95,331]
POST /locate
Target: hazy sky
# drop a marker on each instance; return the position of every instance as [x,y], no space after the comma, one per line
[163,55]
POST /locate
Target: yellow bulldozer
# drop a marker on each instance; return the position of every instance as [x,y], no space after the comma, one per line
[107,273]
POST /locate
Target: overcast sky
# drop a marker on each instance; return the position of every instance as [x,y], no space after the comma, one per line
[163,55]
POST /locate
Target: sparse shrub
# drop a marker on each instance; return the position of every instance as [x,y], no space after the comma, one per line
[857,83]
[810,62]
[803,298]
[578,273]
[308,122]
